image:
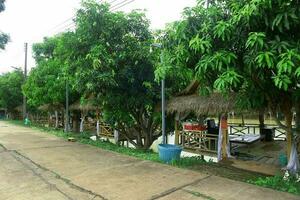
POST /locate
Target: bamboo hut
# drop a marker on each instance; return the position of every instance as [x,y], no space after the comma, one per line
[80,110]
[3,112]
[50,109]
[213,104]
[16,113]
[189,102]
[203,142]
[102,129]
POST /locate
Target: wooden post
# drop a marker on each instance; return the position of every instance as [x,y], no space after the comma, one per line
[224,126]
[176,132]
[97,123]
[288,122]
[224,144]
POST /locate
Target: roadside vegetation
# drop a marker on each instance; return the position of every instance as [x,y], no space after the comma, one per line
[247,48]
[291,185]
[194,163]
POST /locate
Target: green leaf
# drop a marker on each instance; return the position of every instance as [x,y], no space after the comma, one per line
[297,72]
[255,40]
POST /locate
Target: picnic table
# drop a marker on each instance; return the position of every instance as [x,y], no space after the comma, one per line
[247,139]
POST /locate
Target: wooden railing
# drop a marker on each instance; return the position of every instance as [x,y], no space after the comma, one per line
[236,129]
[105,130]
[199,141]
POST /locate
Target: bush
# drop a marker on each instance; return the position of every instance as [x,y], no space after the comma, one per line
[291,184]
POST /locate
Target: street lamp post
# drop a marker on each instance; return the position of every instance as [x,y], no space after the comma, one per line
[67,107]
[25,77]
[163,103]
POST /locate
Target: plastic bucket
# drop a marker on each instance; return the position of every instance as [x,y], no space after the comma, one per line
[169,152]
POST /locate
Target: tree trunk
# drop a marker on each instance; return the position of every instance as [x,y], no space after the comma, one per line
[289,134]
[97,129]
[56,119]
[49,120]
[243,120]
[82,123]
[261,118]
[76,119]
[62,118]
[297,124]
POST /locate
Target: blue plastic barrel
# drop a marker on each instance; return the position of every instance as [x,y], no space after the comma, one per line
[169,152]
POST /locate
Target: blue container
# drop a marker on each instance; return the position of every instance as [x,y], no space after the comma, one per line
[169,152]
[283,161]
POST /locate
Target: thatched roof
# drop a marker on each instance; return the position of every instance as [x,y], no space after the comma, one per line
[51,107]
[201,105]
[18,108]
[87,105]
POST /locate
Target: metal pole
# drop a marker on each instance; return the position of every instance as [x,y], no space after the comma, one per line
[158,45]
[25,76]
[163,111]
[67,107]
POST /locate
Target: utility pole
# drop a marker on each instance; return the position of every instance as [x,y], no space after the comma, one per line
[25,77]
[67,107]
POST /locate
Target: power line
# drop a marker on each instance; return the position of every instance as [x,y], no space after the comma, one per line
[120,3]
[60,27]
[112,1]
[67,26]
[62,23]
[123,5]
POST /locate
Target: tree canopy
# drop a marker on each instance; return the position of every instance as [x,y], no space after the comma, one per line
[250,47]
[4,38]
[247,47]
[10,90]
[46,83]
[111,63]
[114,63]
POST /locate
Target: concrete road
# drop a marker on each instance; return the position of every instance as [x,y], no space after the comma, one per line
[35,165]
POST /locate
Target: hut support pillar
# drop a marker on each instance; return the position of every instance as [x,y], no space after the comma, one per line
[56,119]
[176,132]
[49,119]
[82,122]
[97,123]
[224,143]
[288,122]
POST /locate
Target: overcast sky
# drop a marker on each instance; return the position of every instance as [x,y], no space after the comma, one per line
[31,20]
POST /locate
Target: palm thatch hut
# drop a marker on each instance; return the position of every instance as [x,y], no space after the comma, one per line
[50,108]
[84,106]
[189,101]
[213,104]
[81,108]
[3,112]
[16,113]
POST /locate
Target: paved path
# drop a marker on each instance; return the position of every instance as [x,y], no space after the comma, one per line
[35,165]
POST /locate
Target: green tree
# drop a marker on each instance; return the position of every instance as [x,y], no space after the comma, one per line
[249,47]
[46,83]
[4,38]
[114,63]
[10,90]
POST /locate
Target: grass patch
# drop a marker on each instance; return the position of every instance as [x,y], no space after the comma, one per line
[277,183]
